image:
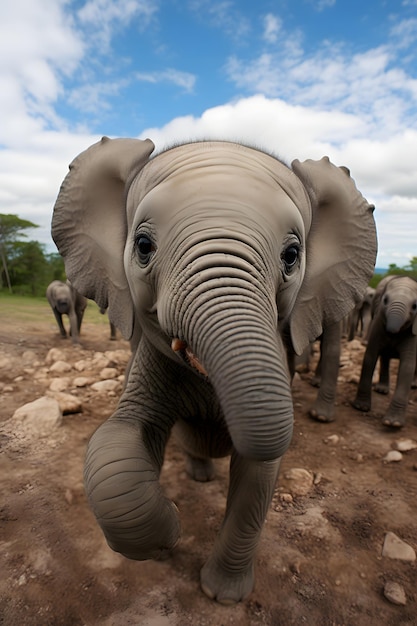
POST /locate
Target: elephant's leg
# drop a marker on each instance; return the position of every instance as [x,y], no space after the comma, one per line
[315,380]
[73,326]
[395,416]
[228,575]
[324,406]
[123,463]
[363,399]
[61,326]
[201,470]
[113,332]
[382,386]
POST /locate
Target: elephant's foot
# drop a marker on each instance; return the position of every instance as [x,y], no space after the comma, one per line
[324,416]
[224,586]
[201,470]
[361,404]
[381,388]
[394,419]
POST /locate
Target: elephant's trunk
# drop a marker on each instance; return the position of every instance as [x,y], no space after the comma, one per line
[229,321]
[396,318]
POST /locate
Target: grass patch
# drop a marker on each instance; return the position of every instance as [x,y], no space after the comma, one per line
[30,309]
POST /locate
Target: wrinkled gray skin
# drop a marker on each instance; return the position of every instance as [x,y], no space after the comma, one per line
[65,300]
[200,255]
[361,316]
[392,335]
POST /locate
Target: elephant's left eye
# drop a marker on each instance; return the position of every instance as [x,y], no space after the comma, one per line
[145,248]
[290,257]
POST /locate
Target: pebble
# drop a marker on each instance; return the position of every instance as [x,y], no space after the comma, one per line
[393,456]
[332,439]
[395,593]
[405,445]
[298,481]
[396,548]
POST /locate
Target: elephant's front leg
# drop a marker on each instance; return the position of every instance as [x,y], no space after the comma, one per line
[363,399]
[324,406]
[60,323]
[122,468]
[396,414]
[228,575]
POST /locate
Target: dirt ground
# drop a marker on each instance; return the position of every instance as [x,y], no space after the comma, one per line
[319,561]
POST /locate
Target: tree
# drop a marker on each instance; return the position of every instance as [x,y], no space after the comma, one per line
[11,227]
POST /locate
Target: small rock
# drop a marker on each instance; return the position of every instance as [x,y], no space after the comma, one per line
[69,496]
[108,372]
[393,456]
[60,367]
[59,384]
[332,439]
[67,402]
[54,355]
[104,386]
[82,381]
[395,593]
[396,548]
[18,379]
[405,445]
[82,365]
[286,497]
[298,481]
[41,417]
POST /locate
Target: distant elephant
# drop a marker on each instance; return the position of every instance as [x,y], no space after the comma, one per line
[392,335]
[361,316]
[65,300]
[211,257]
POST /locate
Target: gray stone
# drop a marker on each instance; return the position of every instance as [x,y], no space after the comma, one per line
[395,593]
[396,548]
[41,416]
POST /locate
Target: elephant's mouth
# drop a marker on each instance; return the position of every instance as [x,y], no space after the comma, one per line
[180,347]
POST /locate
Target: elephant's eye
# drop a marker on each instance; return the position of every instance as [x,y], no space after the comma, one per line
[290,257]
[145,248]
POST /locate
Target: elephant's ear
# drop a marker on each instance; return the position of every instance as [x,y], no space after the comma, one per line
[341,250]
[89,223]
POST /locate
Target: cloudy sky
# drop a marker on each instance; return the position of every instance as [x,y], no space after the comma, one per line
[303,78]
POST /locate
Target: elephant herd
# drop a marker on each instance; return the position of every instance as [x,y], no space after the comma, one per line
[219,263]
[386,319]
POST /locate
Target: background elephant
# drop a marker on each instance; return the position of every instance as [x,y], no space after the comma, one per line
[200,257]
[65,300]
[361,316]
[392,335]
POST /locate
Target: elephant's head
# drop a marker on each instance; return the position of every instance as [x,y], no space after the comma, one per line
[396,301]
[210,248]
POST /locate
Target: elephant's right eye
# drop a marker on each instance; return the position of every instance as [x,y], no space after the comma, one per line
[290,257]
[145,248]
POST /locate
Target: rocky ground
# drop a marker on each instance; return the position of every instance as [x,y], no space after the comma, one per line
[338,547]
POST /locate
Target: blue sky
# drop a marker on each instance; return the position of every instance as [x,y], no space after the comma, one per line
[301,78]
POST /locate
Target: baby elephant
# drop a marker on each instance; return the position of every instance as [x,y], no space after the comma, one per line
[64,299]
[392,334]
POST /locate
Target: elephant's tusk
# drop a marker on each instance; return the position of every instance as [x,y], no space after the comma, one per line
[180,346]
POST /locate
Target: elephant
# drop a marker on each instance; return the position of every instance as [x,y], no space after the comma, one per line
[392,335]
[217,261]
[361,316]
[64,299]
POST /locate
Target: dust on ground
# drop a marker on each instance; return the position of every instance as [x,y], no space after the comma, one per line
[319,561]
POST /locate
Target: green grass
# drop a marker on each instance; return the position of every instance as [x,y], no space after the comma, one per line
[29,309]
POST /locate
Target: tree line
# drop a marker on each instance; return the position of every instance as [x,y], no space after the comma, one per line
[25,266]
[27,269]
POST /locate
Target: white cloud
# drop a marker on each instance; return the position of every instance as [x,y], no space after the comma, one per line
[185,80]
[105,17]
[272,27]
